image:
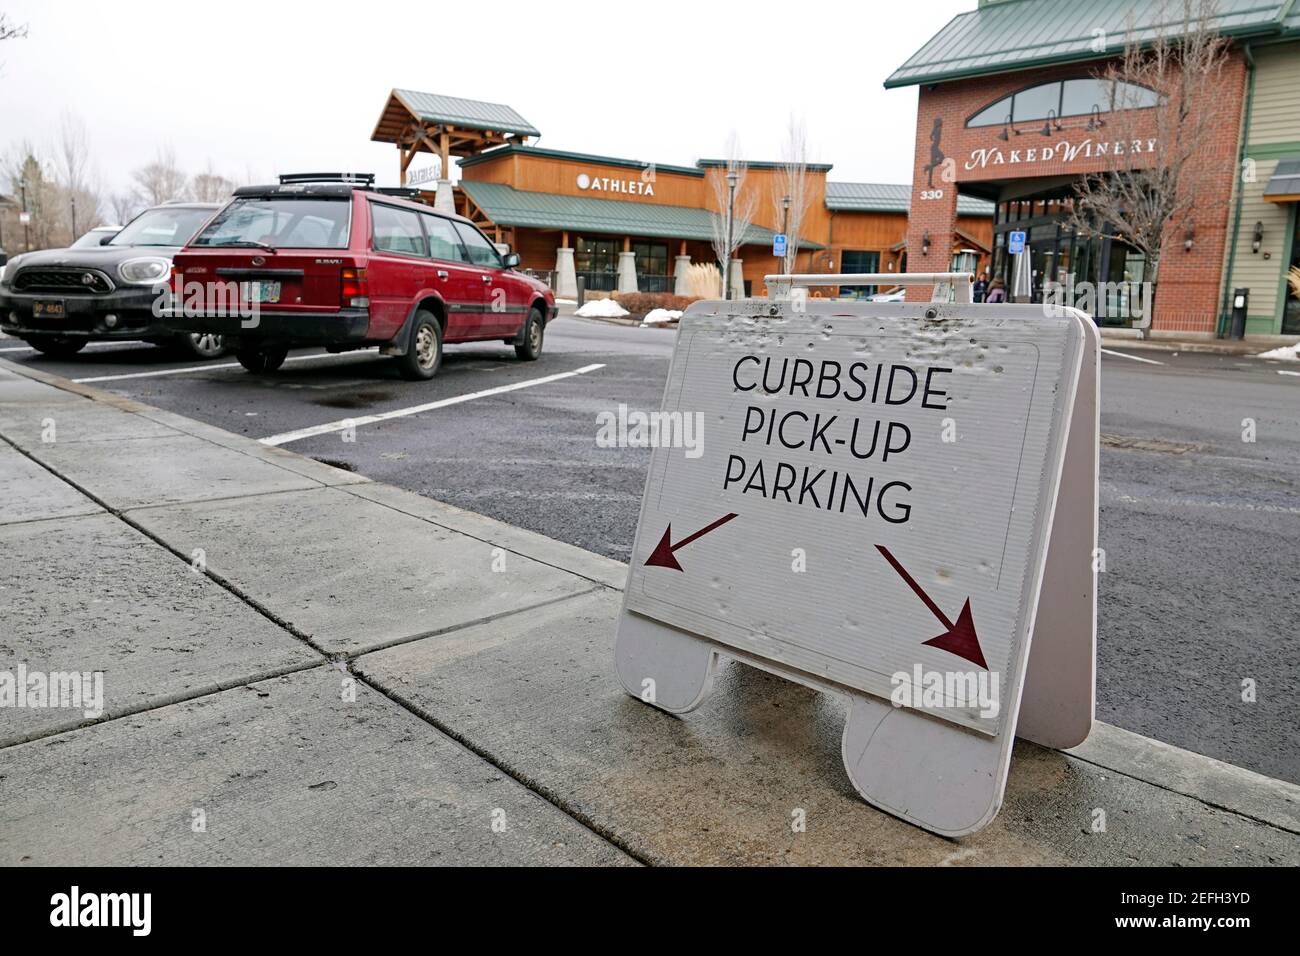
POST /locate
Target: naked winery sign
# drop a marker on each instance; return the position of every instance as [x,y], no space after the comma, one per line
[871,514]
[1058,152]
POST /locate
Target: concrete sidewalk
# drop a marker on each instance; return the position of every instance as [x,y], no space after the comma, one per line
[303,666]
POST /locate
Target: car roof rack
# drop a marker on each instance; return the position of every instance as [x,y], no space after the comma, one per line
[361,179]
[405,192]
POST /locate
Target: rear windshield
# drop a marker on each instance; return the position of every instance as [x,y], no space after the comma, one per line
[275,221]
[168,226]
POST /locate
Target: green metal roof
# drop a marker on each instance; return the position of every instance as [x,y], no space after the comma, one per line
[513,148]
[890,197]
[473,114]
[508,206]
[759,164]
[1285,180]
[1006,35]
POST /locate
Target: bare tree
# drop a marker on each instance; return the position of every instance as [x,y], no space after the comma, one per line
[790,193]
[33,187]
[81,195]
[211,186]
[161,180]
[1146,206]
[124,207]
[10,30]
[730,222]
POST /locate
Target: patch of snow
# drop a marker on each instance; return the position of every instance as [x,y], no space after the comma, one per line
[566,301]
[602,309]
[1288,353]
[661,316]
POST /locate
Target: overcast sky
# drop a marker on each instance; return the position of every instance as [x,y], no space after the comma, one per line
[277,86]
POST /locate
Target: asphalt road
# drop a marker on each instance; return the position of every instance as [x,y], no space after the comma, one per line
[1201,530]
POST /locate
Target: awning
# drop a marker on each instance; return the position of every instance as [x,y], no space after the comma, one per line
[1284,184]
[507,206]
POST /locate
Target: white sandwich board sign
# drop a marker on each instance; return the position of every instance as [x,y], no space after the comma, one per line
[891,501]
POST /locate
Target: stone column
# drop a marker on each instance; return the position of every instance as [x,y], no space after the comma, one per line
[679,275]
[444,200]
[627,272]
[737,279]
[566,279]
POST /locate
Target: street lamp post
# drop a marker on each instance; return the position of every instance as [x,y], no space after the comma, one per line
[785,231]
[732,179]
[27,241]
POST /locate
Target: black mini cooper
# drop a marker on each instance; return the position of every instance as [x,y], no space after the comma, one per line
[57,300]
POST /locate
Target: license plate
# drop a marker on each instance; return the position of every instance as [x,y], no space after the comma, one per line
[49,309]
[262,292]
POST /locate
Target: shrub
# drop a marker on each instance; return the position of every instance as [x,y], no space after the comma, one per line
[641,303]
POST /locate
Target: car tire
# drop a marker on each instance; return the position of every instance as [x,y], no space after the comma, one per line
[424,354]
[261,359]
[56,347]
[529,345]
[202,345]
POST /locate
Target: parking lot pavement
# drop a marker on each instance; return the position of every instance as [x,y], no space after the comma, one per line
[323,682]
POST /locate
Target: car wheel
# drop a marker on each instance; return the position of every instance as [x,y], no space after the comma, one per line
[529,346]
[424,355]
[205,345]
[56,347]
[261,359]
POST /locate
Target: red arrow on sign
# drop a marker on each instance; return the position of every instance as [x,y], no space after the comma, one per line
[960,638]
[662,556]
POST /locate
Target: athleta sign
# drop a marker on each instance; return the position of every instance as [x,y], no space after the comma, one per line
[628,187]
[1058,152]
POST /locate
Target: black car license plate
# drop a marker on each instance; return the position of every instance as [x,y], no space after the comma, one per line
[49,309]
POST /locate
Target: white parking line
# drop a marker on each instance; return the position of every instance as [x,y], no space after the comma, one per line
[285,437]
[203,368]
[1283,371]
[1133,357]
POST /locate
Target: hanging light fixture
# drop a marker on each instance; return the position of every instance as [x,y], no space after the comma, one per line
[1050,122]
[1095,122]
[1006,129]
[925,243]
[1189,237]
[1258,239]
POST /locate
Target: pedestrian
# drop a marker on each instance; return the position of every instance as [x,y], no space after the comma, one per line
[981,286]
[997,291]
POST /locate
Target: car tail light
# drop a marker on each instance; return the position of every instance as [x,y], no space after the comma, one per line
[356,290]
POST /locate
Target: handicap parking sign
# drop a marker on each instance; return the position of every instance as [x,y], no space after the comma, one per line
[1016,242]
[778,245]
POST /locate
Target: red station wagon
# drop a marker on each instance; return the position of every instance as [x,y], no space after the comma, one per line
[330,260]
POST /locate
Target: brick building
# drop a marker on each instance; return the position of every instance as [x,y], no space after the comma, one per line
[1013,108]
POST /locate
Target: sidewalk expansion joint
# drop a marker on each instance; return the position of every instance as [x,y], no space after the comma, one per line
[461,626]
[546,793]
[1199,798]
[600,585]
[168,700]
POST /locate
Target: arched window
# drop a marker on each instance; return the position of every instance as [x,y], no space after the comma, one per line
[1081,96]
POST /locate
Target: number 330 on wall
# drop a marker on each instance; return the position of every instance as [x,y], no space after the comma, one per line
[931,193]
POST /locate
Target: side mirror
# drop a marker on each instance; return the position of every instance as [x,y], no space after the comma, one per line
[4,258]
[512,260]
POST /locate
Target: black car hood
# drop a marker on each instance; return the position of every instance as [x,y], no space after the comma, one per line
[105,258]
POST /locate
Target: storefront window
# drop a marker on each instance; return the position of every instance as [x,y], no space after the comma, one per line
[1291,311]
[1077,97]
[858,261]
[596,260]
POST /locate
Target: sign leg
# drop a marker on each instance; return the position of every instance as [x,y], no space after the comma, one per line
[943,778]
[663,666]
